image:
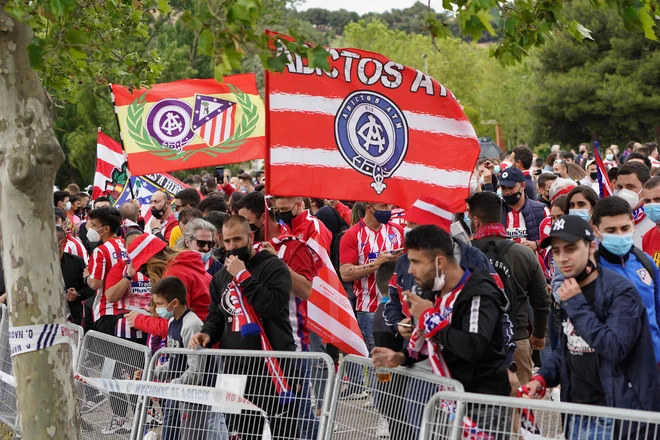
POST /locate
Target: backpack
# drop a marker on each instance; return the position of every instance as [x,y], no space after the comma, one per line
[495,252]
[334,245]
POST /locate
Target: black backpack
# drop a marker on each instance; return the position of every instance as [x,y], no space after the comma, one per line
[495,251]
[334,245]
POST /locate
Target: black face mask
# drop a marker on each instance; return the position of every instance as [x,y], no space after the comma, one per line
[242,254]
[157,213]
[286,216]
[257,232]
[594,175]
[512,199]
[589,268]
[557,174]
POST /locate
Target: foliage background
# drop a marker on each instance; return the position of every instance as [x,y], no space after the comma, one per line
[568,92]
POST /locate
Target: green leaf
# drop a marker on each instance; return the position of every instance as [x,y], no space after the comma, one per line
[205,43]
[36,56]
[647,24]
[74,36]
[485,19]
[164,7]
[76,54]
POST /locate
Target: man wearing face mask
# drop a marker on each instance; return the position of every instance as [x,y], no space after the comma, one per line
[651,240]
[560,169]
[606,354]
[613,221]
[200,237]
[163,221]
[519,265]
[520,216]
[591,179]
[630,179]
[217,219]
[363,248]
[522,159]
[73,268]
[300,222]
[545,182]
[249,311]
[457,317]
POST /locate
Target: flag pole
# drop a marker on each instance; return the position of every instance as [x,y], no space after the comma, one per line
[121,140]
[267,158]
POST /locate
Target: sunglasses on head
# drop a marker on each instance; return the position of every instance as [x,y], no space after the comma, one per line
[559,161]
[205,243]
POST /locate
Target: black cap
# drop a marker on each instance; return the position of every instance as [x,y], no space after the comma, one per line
[570,228]
[510,177]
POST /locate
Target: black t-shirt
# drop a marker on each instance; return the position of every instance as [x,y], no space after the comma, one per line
[384,336]
[586,386]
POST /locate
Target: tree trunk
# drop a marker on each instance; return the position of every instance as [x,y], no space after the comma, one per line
[29,158]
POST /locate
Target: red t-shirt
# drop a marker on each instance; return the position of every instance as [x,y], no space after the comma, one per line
[651,244]
[361,245]
[137,295]
[167,225]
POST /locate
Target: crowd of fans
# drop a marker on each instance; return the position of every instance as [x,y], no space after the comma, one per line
[539,285]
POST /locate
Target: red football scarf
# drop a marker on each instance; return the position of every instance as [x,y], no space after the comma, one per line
[247,322]
[491,230]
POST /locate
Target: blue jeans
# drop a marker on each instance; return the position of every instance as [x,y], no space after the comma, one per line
[319,371]
[365,320]
[308,423]
[551,338]
[590,428]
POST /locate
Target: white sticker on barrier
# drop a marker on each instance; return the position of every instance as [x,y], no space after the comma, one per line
[108,368]
[8,379]
[29,338]
[234,383]
[225,400]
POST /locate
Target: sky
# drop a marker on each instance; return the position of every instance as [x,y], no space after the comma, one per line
[359,6]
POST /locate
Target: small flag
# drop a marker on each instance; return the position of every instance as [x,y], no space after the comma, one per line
[603,180]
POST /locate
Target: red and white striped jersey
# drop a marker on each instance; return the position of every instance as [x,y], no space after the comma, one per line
[361,245]
[516,229]
[609,163]
[654,162]
[138,295]
[75,247]
[307,227]
[103,259]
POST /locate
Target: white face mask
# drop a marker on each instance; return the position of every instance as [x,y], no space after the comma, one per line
[439,281]
[629,196]
[93,236]
[474,184]
[67,206]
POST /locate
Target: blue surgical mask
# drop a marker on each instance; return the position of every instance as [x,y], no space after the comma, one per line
[382,217]
[496,169]
[164,313]
[582,213]
[609,156]
[652,211]
[499,192]
[618,244]
[176,215]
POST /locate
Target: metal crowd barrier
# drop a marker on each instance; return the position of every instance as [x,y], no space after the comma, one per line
[108,357]
[7,391]
[388,403]
[295,415]
[487,417]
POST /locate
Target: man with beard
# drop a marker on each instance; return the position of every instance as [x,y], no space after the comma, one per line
[249,311]
[163,221]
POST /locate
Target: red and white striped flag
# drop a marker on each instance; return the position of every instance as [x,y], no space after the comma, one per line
[109,158]
[603,178]
[367,126]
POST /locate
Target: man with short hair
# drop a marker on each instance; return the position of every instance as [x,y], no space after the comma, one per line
[73,269]
[61,201]
[651,197]
[363,248]
[246,183]
[186,198]
[640,156]
[520,265]
[591,179]
[545,181]
[73,188]
[82,229]
[73,245]
[605,356]
[520,216]
[568,157]
[84,201]
[212,203]
[630,179]
[522,159]
[560,168]
[74,207]
[249,311]
[217,218]
[300,222]
[612,218]
[163,220]
[653,154]
[457,317]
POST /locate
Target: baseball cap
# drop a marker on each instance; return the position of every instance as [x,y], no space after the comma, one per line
[510,177]
[570,228]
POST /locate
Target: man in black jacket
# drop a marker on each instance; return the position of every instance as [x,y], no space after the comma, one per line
[521,266]
[249,310]
[457,316]
[73,268]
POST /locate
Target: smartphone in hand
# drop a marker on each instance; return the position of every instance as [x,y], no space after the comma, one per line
[220,175]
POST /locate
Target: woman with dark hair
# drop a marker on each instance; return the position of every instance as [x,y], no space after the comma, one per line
[580,201]
[154,259]
[549,162]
